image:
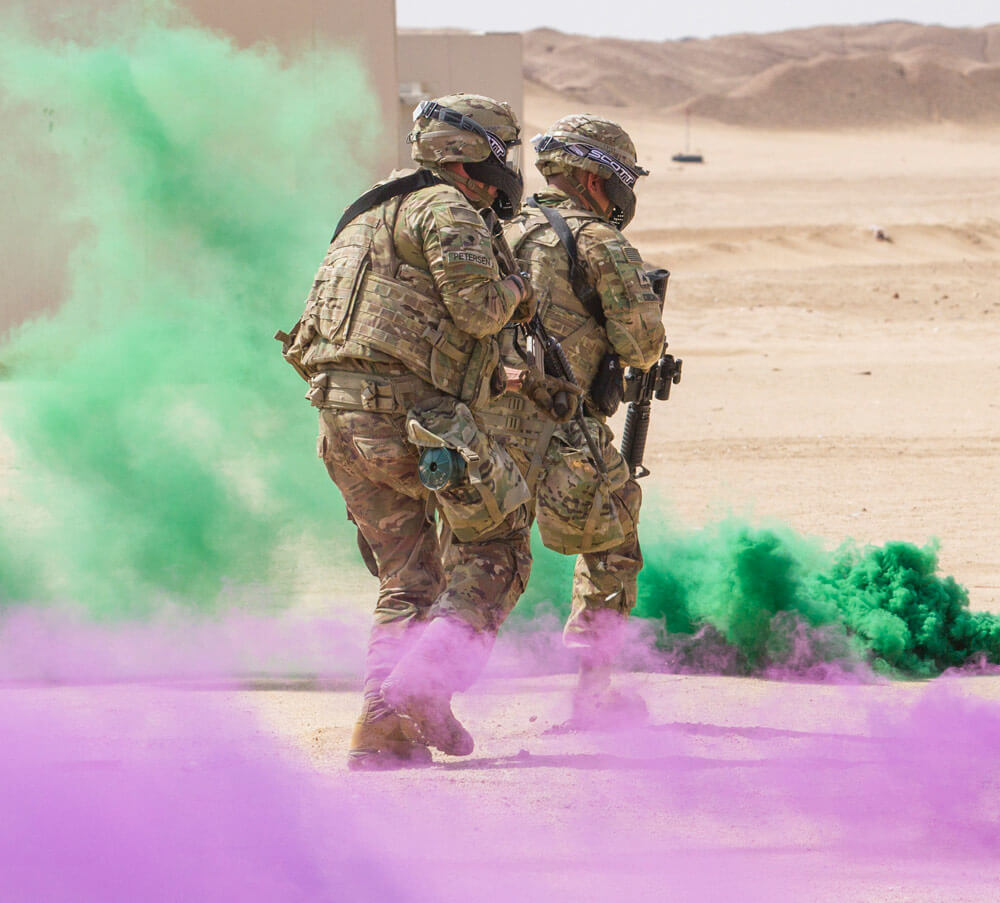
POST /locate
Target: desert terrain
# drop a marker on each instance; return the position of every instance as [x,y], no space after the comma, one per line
[843,386]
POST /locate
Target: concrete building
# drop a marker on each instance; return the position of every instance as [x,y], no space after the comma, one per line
[403,70]
[367,29]
[432,63]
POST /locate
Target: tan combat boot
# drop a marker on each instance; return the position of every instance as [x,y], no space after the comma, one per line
[380,740]
[432,716]
[420,686]
[596,706]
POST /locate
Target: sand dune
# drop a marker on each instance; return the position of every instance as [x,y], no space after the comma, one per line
[874,75]
[792,247]
[868,90]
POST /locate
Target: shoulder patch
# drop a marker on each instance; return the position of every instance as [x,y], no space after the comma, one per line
[632,255]
[544,237]
[463,214]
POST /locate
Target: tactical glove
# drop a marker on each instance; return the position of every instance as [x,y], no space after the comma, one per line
[525,310]
[556,398]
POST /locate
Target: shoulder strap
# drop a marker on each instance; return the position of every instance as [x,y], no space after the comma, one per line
[578,278]
[422,178]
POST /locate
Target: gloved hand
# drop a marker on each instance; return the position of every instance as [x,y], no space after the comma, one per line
[525,310]
[556,398]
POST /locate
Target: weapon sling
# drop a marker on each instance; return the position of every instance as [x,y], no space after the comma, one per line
[422,178]
[578,278]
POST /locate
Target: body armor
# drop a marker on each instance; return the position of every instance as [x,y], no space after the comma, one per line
[368,305]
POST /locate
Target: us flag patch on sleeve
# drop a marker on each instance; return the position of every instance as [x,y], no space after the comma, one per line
[632,255]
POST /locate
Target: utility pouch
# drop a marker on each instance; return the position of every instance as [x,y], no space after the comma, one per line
[578,509]
[608,386]
[492,487]
[658,279]
[290,350]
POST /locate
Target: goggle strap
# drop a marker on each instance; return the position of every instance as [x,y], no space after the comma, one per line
[625,174]
[431,109]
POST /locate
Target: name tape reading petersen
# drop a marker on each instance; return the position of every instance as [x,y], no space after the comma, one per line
[469,257]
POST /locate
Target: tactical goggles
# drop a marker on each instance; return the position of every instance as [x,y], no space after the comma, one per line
[626,174]
[431,109]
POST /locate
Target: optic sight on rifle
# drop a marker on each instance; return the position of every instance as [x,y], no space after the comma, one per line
[644,385]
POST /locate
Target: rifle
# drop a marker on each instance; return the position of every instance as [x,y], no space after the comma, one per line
[554,360]
[556,364]
[641,387]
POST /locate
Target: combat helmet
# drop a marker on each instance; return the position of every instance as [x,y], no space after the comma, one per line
[595,144]
[478,131]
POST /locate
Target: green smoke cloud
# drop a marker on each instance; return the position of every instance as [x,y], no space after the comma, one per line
[161,444]
[763,598]
[907,615]
[739,598]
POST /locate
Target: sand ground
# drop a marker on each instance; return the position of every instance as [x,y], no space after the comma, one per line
[845,386]
[735,789]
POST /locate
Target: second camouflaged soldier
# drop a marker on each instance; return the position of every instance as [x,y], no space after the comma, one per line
[398,344]
[596,299]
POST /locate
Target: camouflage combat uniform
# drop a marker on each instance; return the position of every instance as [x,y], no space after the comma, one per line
[605,579]
[415,264]
[398,342]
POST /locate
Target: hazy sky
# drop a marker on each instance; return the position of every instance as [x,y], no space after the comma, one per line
[680,18]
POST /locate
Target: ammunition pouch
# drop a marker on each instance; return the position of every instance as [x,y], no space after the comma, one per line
[577,508]
[515,417]
[493,488]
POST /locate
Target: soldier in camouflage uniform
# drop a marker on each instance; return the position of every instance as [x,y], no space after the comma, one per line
[398,342]
[606,315]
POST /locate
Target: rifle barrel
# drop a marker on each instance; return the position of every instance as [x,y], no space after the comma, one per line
[634,436]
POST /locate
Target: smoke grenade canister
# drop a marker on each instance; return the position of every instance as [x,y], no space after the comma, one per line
[440,468]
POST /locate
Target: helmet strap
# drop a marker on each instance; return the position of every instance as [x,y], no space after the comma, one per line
[575,188]
[477,193]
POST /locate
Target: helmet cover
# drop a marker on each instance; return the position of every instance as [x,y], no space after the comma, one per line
[477,131]
[598,145]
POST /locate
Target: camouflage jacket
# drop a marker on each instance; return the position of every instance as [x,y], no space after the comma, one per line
[614,268]
[410,284]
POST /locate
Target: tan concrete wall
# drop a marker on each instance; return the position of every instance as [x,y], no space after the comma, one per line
[35,245]
[434,63]
[368,27]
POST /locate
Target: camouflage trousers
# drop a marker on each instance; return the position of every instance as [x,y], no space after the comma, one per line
[605,584]
[375,467]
